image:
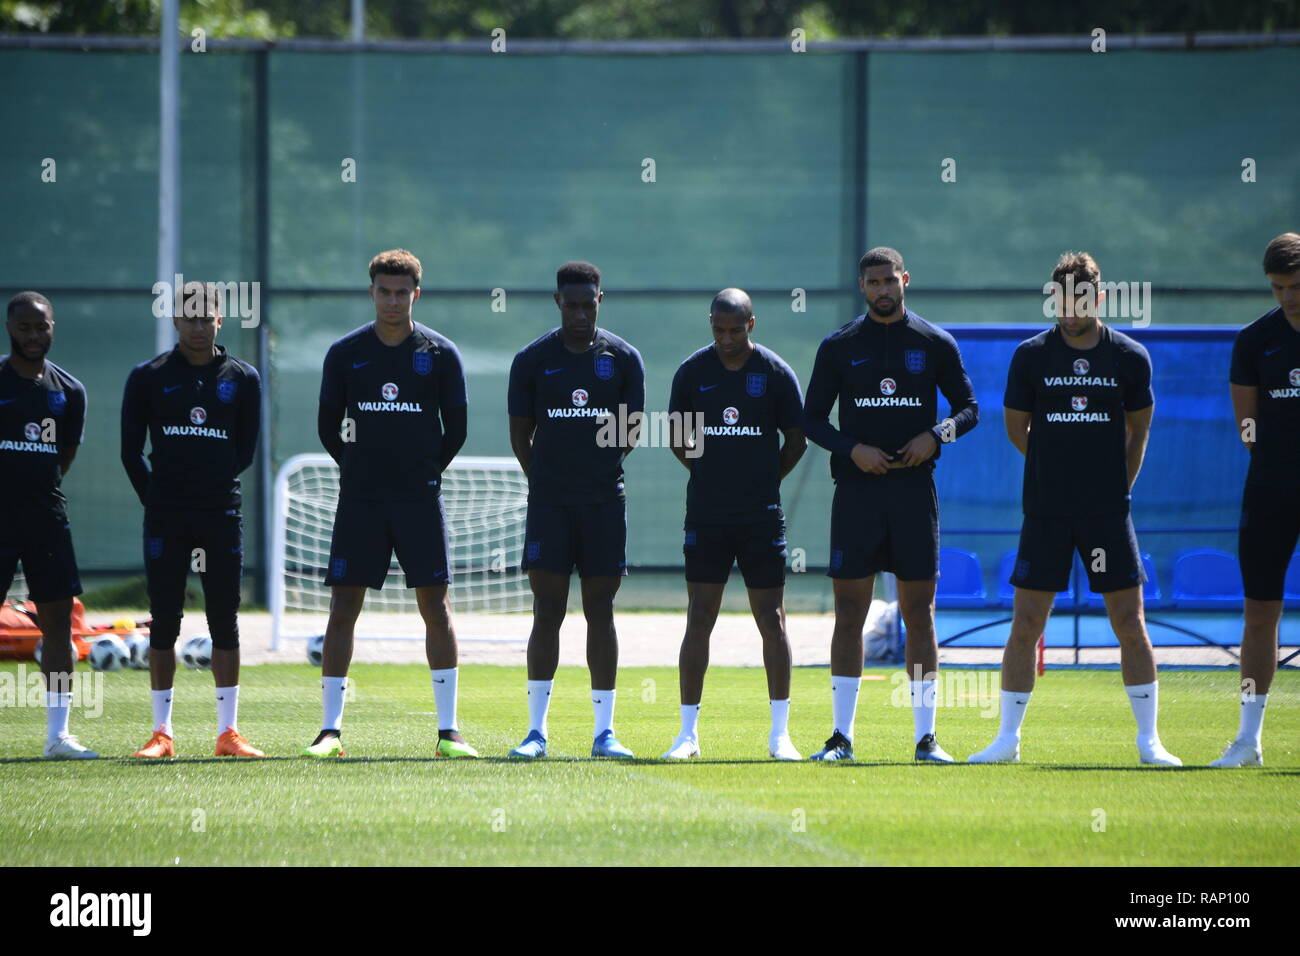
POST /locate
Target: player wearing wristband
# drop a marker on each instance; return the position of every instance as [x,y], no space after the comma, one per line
[884,368]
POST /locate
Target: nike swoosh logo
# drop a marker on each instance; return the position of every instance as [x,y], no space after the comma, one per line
[705,388]
[1141,696]
[169,388]
[360,364]
[441,680]
[6,401]
[1271,351]
[856,362]
[552,371]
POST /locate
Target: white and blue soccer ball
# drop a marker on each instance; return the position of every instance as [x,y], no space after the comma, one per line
[196,653]
[138,645]
[316,650]
[109,653]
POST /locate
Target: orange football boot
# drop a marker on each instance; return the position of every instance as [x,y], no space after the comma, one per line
[232,744]
[159,746]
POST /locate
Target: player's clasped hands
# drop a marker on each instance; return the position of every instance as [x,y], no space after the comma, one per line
[870,459]
[919,449]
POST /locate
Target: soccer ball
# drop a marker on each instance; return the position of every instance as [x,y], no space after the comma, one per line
[109,654]
[316,650]
[196,653]
[138,645]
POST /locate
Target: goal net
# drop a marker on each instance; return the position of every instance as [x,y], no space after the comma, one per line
[486,503]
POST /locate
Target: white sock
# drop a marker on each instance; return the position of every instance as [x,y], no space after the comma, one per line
[539,702]
[332,690]
[227,709]
[844,703]
[780,718]
[1252,718]
[162,710]
[602,703]
[1014,705]
[923,707]
[56,715]
[444,696]
[1142,698]
[690,722]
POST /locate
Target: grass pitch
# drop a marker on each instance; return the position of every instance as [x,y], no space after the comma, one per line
[1081,798]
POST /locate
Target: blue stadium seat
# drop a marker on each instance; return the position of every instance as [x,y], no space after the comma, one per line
[1151,596]
[1206,579]
[1007,591]
[961,582]
[1291,589]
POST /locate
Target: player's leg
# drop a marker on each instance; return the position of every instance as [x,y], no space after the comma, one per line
[858,538]
[852,603]
[921,659]
[1042,569]
[419,530]
[761,553]
[708,565]
[166,566]
[221,535]
[703,601]
[548,559]
[1270,522]
[1108,546]
[44,543]
[1138,666]
[600,553]
[914,554]
[360,552]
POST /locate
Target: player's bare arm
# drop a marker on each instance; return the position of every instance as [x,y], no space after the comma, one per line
[792,448]
[1245,408]
[1137,429]
[521,440]
[1017,423]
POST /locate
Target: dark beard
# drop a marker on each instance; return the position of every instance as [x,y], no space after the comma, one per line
[898,304]
[15,350]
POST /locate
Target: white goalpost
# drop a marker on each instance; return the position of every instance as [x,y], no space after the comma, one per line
[486,502]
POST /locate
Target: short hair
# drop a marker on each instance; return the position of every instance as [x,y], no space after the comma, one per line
[732,302]
[577,273]
[27,298]
[1081,265]
[1282,257]
[881,256]
[396,262]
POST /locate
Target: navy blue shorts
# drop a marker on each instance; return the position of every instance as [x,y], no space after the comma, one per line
[887,523]
[170,541]
[591,537]
[1106,543]
[759,548]
[366,533]
[1270,525]
[42,540]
